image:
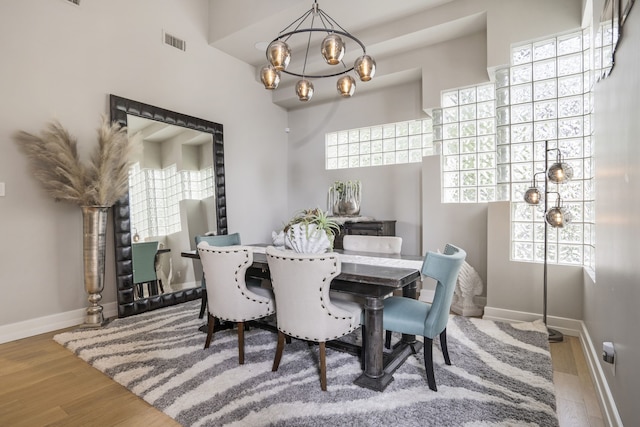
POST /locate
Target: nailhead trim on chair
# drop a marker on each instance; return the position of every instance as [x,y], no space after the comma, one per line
[246,252]
[321,299]
[314,339]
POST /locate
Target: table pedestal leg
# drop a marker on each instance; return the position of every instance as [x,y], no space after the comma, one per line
[374,377]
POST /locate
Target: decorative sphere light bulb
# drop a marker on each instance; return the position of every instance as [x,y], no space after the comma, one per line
[346,86]
[532,196]
[270,77]
[279,54]
[560,173]
[332,49]
[304,90]
[365,66]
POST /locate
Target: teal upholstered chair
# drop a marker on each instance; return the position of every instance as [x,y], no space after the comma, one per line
[221,240]
[144,267]
[414,317]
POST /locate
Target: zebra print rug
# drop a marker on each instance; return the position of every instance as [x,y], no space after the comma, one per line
[501,376]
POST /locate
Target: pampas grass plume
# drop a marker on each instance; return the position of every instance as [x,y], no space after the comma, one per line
[54,161]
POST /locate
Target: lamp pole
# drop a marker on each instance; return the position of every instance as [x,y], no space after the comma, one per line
[554,336]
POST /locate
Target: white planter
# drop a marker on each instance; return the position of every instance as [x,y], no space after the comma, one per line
[304,238]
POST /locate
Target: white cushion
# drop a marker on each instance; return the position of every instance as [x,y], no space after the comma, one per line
[379,244]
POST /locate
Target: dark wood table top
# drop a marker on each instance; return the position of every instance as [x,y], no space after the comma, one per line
[353,274]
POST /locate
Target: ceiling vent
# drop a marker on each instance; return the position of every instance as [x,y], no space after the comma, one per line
[174,41]
[76,2]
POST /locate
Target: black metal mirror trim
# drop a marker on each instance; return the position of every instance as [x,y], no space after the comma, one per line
[127,305]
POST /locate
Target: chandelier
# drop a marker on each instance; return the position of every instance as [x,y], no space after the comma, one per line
[332,48]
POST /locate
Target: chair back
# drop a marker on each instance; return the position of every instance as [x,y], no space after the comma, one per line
[301,286]
[227,295]
[143,255]
[379,244]
[444,268]
[216,240]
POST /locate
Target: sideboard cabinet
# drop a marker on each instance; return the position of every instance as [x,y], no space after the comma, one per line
[368,228]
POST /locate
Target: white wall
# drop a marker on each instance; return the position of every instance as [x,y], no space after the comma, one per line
[462,224]
[62,61]
[611,303]
[518,286]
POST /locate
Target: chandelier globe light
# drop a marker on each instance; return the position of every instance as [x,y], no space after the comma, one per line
[304,90]
[365,66]
[270,77]
[332,48]
[346,86]
[279,55]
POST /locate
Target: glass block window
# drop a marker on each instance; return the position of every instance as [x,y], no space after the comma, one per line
[465,128]
[388,144]
[546,94]
[155,195]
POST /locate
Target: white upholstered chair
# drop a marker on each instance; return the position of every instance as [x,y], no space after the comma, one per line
[304,309]
[228,296]
[379,244]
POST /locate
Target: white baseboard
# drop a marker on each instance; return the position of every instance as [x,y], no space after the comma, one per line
[41,325]
[576,328]
[603,392]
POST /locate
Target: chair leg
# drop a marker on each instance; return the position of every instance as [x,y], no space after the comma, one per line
[428,363]
[241,343]
[443,345]
[211,324]
[387,340]
[323,366]
[279,348]
[203,304]
[363,348]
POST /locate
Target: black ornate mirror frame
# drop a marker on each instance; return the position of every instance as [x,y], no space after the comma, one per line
[127,306]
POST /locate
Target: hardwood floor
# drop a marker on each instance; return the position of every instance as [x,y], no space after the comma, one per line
[43,384]
[576,401]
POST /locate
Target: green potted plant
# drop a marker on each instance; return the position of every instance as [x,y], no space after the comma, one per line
[310,231]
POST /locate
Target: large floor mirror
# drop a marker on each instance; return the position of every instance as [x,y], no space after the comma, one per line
[176,191]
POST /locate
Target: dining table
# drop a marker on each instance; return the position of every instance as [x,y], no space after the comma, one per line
[371,277]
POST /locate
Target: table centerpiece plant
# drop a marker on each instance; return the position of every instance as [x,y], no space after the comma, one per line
[94,186]
[310,231]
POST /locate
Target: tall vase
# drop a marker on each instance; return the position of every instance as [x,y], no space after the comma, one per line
[94,240]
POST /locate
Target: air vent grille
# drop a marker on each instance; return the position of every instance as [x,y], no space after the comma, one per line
[174,41]
[76,2]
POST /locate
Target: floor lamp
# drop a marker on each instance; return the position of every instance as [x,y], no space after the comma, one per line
[556,217]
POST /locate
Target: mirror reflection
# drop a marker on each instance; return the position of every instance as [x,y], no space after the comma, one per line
[606,38]
[172,199]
